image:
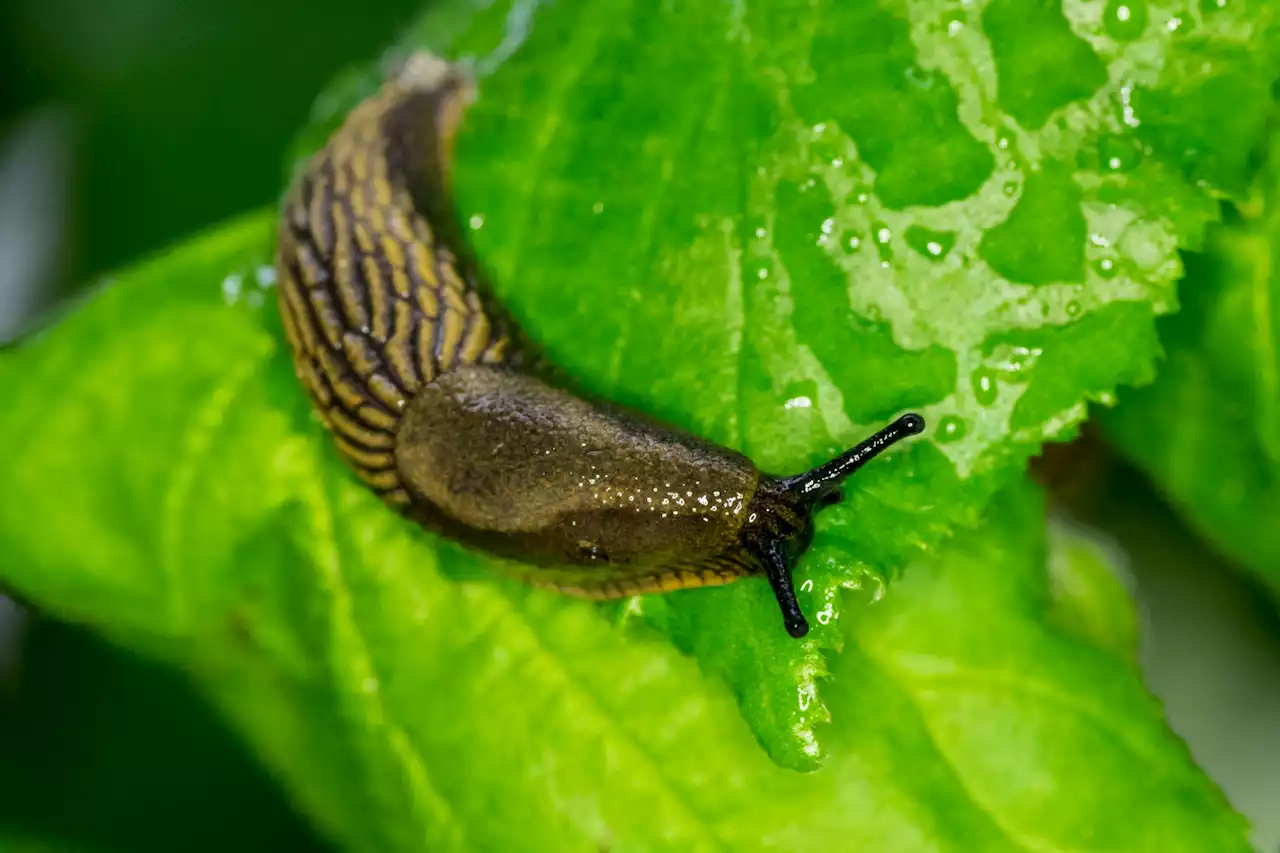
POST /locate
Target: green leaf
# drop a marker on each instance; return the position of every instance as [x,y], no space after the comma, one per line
[778,228]
[1089,589]
[1208,431]
[175,493]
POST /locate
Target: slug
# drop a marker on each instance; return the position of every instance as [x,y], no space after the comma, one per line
[440,404]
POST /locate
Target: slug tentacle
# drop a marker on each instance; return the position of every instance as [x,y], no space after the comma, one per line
[779,527]
[778,570]
[440,404]
[824,479]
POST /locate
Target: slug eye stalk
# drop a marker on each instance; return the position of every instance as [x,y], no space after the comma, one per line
[823,480]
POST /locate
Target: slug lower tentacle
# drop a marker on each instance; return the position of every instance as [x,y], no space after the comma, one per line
[438,402]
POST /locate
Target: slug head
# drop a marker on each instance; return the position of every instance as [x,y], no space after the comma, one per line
[779,525]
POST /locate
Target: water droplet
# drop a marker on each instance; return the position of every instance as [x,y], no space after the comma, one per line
[1211,6]
[1010,188]
[476,221]
[762,273]
[984,386]
[953,22]
[760,233]
[1124,20]
[862,198]
[854,244]
[950,428]
[837,162]
[1073,308]
[828,225]
[231,287]
[1019,359]
[1106,268]
[798,403]
[1004,140]
[934,245]
[883,238]
[1118,153]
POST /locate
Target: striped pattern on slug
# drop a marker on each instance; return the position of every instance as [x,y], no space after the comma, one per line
[443,408]
[377,298]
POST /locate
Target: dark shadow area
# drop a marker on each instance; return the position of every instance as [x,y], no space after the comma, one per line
[180,111]
[107,752]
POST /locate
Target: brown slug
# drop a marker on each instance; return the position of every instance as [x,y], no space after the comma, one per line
[441,406]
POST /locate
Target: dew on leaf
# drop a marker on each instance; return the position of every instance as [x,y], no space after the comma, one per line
[1073,308]
[1020,358]
[231,287]
[1125,20]
[951,428]
[984,386]
[934,245]
[1106,267]
[883,236]
[1118,153]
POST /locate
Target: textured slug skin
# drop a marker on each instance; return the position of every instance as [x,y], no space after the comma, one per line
[439,405]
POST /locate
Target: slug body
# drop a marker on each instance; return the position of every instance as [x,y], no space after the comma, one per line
[441,406]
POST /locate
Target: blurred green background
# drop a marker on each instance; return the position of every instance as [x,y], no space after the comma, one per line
[126,125]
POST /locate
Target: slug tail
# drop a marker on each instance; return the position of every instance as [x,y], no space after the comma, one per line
[378,293]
